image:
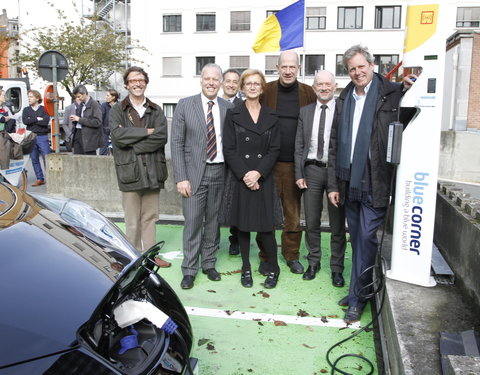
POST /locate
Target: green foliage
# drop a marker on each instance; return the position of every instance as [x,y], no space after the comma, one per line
[93,50]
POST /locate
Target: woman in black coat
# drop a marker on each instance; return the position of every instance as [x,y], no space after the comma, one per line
[251,144]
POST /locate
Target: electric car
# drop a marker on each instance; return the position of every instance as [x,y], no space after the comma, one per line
[77,298]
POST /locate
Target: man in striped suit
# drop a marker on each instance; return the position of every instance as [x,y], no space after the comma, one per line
[198,168]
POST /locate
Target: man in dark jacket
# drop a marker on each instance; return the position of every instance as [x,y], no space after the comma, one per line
[138,129]
[286,95]
[359,175]
[88,133]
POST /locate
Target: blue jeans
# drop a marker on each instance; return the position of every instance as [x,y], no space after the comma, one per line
[41,148]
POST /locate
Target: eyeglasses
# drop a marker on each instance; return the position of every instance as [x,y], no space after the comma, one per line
[136,81]
[254,84]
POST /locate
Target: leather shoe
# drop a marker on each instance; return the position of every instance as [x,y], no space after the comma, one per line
[162,263]
[353,315]
[338,280]
[234,250]
[311,272]
[343,301]
[187,282]
[246,279]
[295,266]
[263,268]
[212,274]
[38,183]
[271,280]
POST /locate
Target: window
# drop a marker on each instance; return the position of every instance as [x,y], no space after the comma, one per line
[350,18]
[468,17]
[340,70]
[206,22]
[172,23]
[172,66]
[168,109]
[240,21]
[14,96]
[240,63]
[271,65]
[270,12]
[201,62]
[386,63]
[316,18]
[388,17]
[314,63]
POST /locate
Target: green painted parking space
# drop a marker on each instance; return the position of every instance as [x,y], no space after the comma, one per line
[283,331]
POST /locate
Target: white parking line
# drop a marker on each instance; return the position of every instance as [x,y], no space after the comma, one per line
[272,318]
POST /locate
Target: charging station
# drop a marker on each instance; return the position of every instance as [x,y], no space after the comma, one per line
[416,184]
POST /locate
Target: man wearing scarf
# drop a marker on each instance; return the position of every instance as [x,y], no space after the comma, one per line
[359,175]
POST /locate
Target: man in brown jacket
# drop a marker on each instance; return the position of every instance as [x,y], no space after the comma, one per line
[286,95]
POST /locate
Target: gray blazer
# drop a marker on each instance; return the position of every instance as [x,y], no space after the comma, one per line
[189,139]
[302,139]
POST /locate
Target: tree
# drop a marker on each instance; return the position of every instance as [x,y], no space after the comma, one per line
[94,52]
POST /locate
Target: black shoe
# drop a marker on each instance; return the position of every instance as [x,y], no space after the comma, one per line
[295,266]
[187,282]
[212,274]
[234,250]
[271,280]
[353,315]
[338,280]
[311,272]
[343,301]
[246,279]
[263,268]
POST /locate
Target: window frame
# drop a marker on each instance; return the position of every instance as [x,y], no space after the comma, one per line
[268,60]
[379,17]
[170,24]
[206,14]
[237,67]
[472,23]
[357,16]
[247,24]
[378,63]
[199,65]
[320,18]
[340,70]
[170,58]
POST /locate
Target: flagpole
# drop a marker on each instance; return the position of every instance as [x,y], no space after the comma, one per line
[304,40]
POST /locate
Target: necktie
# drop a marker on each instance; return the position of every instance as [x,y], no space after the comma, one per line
[211,138]
[321,130]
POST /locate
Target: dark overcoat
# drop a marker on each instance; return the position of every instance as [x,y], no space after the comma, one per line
[251,146]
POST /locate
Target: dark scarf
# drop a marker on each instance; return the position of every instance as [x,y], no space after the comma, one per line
[358,175]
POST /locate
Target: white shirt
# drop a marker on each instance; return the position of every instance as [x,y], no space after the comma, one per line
[216,123]
[357,115]
[141,108]
[329,112]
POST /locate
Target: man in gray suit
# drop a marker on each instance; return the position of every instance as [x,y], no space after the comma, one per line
[311,159]
[198,168]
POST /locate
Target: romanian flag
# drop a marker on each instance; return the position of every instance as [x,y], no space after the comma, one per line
[283,30]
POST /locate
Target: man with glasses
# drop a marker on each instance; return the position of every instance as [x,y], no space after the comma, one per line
[286,95]
[138,129]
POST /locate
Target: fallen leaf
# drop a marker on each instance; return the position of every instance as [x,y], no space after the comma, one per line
[249,370]
[279,323]
[308,346]
[324,319]
[323,371]
[229,312]
[260,323]
[210,347]
[333,316]
[256,319]
[211,291]
[202,341]
[265,295]
[302,313]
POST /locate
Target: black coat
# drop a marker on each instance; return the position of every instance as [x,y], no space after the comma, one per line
[250,146]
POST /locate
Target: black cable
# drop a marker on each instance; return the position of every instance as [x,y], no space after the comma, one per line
[377,285]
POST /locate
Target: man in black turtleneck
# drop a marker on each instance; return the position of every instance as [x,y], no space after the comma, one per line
[286,95]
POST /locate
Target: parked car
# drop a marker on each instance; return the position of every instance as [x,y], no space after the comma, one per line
[77,298]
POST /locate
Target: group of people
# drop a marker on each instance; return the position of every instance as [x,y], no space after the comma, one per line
[246,162]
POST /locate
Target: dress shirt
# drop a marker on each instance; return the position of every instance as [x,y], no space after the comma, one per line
[329,112]
[218,129]
[357,115]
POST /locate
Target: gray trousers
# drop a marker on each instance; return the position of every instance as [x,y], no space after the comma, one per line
[316,178]
[201,233]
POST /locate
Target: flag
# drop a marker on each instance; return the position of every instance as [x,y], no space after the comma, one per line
[282,30]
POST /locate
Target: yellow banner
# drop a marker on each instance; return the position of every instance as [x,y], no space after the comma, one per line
[421,25]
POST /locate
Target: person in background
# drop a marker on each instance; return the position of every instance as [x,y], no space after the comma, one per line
[88,134]
[251,145]
[68,125]
[111,98]
[199,171]
[37,120]
[231,78]
[311,161]
[138,128]
[286,95]
[7,122]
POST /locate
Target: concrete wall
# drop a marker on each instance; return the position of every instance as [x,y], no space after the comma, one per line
[457,235]
[459,156]
[92,179]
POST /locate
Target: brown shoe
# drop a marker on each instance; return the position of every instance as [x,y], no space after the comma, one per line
[162,263]
[38,183]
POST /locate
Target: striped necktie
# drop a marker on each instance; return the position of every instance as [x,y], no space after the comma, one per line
[211,138]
